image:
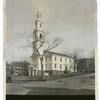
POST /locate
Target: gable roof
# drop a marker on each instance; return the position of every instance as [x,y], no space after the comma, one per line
[60,54]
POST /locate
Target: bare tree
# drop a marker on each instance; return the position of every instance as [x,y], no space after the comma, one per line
[92,68]
[47,46]
[93,54]
[76,56]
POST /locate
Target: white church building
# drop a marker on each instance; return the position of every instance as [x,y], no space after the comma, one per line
[53,63]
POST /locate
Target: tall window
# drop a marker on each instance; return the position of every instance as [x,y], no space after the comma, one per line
[55,58]
[55,65]
[49,58]
[70,60]
[40,36]
[60,66]
[65,59]
[60,59]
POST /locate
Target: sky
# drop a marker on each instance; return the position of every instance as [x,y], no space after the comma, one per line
[74,21]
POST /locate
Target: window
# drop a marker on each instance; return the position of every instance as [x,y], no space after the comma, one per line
[65,59]
[60,59]
[49,66]
[60,66]
[50,58]
[40,36]
[55,65]
[70,60]
[70,67]
[55,58]
[46,58]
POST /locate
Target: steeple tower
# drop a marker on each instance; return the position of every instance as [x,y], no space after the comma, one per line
[38,41]
[38,36]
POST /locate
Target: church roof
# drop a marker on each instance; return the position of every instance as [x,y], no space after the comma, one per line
[60,54]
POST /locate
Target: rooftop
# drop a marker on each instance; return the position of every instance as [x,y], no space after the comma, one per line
[60,54]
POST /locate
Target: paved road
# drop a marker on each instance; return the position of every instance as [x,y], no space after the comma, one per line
[76,85]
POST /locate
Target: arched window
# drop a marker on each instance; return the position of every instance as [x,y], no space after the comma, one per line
[40,36]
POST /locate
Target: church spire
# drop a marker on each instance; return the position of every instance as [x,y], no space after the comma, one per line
[38,21]
[38,34]
[38,5]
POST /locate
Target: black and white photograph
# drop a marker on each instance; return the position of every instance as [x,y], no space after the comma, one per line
[50,47]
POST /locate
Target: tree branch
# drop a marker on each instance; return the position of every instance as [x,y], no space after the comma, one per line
[54,44]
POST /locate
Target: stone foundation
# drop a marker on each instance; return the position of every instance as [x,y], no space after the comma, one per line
[55,72]
[51,72]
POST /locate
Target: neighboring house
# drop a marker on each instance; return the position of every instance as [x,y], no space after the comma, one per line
[8,69]
[8,72]
[86,65]
[53,63]
[20,68]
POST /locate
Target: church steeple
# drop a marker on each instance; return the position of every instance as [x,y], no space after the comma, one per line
[38,36]
[38,21]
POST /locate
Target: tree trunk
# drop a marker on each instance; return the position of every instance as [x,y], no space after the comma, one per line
[75,66]
[42,74]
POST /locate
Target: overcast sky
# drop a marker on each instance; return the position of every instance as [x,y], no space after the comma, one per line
[72,20]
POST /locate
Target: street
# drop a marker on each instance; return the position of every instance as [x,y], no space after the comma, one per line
[78,85]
